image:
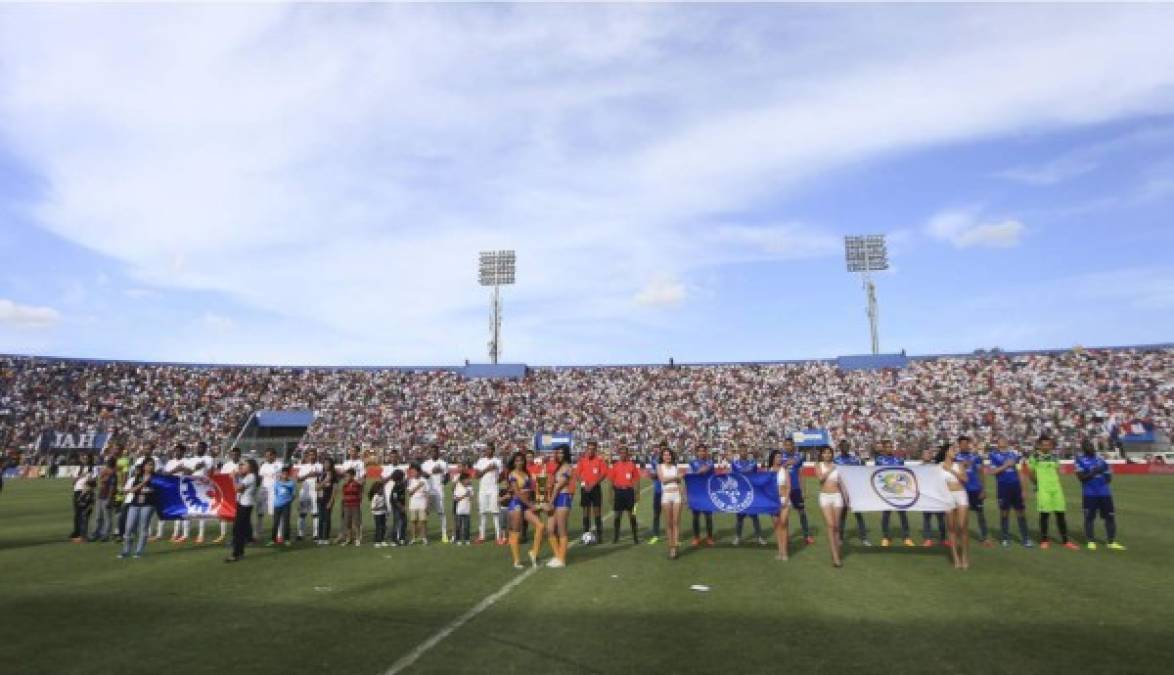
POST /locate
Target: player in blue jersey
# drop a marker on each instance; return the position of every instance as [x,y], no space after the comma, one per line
[1095,475]
[888,458]
[793,459]
[702,465]
[743,463]
[975,484]
[845,457]
[1005,465]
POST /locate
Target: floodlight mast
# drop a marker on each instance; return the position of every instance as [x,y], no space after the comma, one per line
[496,269]
[867,254]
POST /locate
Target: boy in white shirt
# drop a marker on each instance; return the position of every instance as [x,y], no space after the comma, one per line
[462,497]
[435,470]
[418,505]
[488,471]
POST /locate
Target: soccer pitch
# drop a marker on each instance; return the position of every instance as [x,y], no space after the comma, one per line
[74,608]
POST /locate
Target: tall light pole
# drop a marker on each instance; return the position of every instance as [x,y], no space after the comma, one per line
[867,254]
[496,269]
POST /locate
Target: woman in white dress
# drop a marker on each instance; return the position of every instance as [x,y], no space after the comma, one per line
[671,481]
[831,500]
[782,534]
[956,519]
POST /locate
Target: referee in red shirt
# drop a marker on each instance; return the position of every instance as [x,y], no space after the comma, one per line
[625,482]
[591,470]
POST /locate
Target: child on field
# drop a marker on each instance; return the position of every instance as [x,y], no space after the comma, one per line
[418,505]
[352,500]
[284,489]
[83,507]
[462,496]
[378,501]
[397,504]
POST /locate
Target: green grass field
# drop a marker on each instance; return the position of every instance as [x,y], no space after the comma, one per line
[74,608]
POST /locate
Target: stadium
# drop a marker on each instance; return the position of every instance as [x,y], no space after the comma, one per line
[739,405]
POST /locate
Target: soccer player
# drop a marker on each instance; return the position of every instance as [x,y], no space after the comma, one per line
[488,471]
[846,457]
[267,474]
[308,473]
[561,497]
[624,476]
[975,484]
[1094,475]
[928,456]
[745,464]
[176,466]
[591,470]
[702,465]
[201,465]
[831,499]
[1043,467]
[436,471]
[521,507]
[777,464]
[1005,465]
[794,461]
[670,478]
[229,468]
[888,458]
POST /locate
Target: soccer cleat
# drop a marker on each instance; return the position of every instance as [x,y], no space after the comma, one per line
[654,540]
[1044,545]
[709,541]
[519,566]
[928,543]
[1071,546]
[218,540]
[987,543]
[1006,543]
[199,540]
[866,543]
[280,540]
[1114,546]
[737,541]
[1027,543]
[695,542]
[555,563]
[811,540]
[1092,546]
[886,542]
[762,542]
[909,542]
[479,541]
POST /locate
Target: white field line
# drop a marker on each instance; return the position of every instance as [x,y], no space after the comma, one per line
[411,657]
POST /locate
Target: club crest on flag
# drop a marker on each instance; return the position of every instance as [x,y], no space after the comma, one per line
[201,496]
[896,486]
[732,492]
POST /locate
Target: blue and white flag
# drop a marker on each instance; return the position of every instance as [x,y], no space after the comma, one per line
[746,493]
[913,487]
[179,497]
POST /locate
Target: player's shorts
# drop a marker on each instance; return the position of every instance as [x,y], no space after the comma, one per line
[625,500]
[592,497]
[417,515]
[515,505]
[487,502]
[1098,505]
[436,502]
[974,497]
[1010,497]
[1050,500]
[796,499]
[833,499]
[960,498]
[563,500]
[671,497]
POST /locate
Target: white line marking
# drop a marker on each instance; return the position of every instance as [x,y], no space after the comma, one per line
[411,657]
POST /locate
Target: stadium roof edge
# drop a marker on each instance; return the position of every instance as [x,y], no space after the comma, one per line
[586,366]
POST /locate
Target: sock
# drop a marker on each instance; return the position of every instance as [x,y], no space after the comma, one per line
[1089,520]
[586,523]
[982,525]
[885,518]
[515,548]
[709,525]
[1111,528]
[635,532]
[616,530]
[599,526]
[802,521]
[537,547]
[496,529]
[554,544]
[738,521]
[1062,525]
[481,526]
[1043,526]
[1023,526]
[1005,522]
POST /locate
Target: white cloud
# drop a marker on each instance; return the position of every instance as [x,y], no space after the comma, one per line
[1053,172]
[346,171]
[964,229]
[661,293]
[27,316]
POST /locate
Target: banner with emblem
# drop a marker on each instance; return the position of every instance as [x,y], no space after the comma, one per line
[915,487]
[745,493]
[190,497]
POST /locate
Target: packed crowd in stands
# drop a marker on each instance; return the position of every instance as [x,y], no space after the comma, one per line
[1071,395]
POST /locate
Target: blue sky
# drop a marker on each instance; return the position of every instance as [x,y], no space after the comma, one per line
[311,184]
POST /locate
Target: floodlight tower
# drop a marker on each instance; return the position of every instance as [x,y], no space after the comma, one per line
[867,254]
[496,270]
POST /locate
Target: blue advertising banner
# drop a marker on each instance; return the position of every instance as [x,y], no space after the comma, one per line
[746,493]
[544,441]
[812,438]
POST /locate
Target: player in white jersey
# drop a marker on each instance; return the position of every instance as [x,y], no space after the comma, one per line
[488,472]
[203,464]
[268,472]
[177,466]
[228,468]
[435,470]
[308,472]
[354,461]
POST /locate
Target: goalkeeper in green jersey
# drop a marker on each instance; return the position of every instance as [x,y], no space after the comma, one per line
[1044,469]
